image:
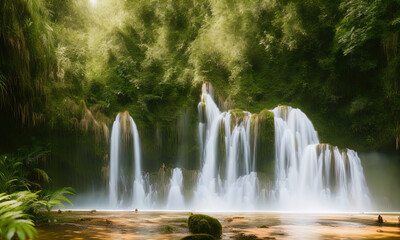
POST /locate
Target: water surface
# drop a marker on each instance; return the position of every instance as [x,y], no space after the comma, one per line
[173,225]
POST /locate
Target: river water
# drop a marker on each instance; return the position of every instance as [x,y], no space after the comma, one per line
[173,225]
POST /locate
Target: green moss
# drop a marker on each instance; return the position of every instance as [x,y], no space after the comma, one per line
[221,149]
[203,116]
[168,229]
[265,125]
[242,236]
[203,226]
[200,223]
[237,116]
[263,140]
[238,113]
[199,237]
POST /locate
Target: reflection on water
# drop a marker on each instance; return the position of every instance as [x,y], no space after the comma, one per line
[293,223]
[152,225]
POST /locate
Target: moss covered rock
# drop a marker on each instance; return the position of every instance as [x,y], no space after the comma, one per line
[237,116]
[200,223]
[202,112]
[201,236]
[263,140]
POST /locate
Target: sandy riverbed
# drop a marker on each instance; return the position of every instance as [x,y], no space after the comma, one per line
[172,225]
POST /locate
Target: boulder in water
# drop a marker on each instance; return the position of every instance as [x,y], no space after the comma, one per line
[200,223]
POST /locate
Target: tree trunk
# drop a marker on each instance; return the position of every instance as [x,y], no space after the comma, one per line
[397,142]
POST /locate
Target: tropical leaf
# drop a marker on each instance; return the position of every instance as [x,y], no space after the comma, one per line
[58,198]
[14,222]
[42,174]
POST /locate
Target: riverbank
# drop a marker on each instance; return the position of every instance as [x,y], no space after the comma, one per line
[173,225]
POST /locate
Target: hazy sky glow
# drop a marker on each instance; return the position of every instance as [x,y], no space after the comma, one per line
[93,2]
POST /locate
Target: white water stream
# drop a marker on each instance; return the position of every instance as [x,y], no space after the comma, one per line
[114,157]
[140,198]
[311,176]
[176,200]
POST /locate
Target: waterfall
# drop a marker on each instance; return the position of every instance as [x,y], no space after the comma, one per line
[114,156]
[140,197]
[227,179]
[238,169]
[310,176]
[175,197]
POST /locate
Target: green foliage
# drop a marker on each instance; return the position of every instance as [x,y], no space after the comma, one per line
[14,222]
[336,60]
[2,85]
[19,209]
[57,198]
[26,59]
[359,105]
[200,223]
[22,173]
[21,177]
[359,24]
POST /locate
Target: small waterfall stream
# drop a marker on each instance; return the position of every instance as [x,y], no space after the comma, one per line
[114,159]
[140,199]
[175,197]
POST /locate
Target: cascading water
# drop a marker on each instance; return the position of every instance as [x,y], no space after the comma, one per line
[304,175]
[140,199]
[114,156]
[312,176]
[175,197]
[227,179]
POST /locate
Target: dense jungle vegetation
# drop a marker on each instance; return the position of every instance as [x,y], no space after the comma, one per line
[73,64]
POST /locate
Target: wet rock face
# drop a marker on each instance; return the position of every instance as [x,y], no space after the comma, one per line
[199,223]
[262,141]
